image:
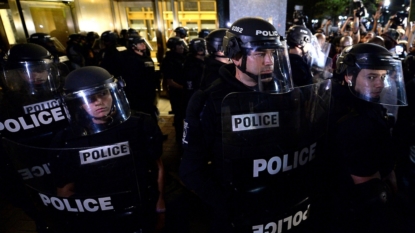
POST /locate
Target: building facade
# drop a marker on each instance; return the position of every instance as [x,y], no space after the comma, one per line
[154,19]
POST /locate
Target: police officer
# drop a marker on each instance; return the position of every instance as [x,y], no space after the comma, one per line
[91,55]
[111,59]
[172,70]
[215,59]
[220,153]
[299,40]
[44,40]
[181,32]
[30,113]
[48,43]
[101,121]
[193,67]
[139,74]
[74,51]
[361,143]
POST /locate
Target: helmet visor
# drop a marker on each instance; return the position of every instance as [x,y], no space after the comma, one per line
[97,109]
[273,69]
[383,84]
[34,77]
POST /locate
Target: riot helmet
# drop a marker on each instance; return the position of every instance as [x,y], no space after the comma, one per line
[45,41]
[124,33]
[92,36]
[134,41]
[173,42]
[255,47]
[372,74]
[75,37]
[132,32]
[214,41]
[109,37]
[181,32]
[29,69]
[198,45]
[95,100]
[203,33]
[299,36]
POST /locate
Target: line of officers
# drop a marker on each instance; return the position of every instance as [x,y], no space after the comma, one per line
[264,153]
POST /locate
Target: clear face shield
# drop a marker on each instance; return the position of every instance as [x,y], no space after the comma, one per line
[272,68]
[97,109]
[34,78]
[318,60]
[380,83]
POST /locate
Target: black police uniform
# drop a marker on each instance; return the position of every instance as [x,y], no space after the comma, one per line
[145,140]
[210,72]
[112,60]
[30,114]
[172,68]
[193,71]
[139,75]
[227,185]
[301,73]
[203,139]
[404,131]
[75,53]
[361,145]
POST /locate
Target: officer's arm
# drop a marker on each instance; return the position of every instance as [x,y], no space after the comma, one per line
[197,144]
[173,84]
[168,70]
[160,207]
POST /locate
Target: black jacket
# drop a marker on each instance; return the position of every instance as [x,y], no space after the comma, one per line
[211,71]
[172,67]
[139,75]
[203,141]
[300,71]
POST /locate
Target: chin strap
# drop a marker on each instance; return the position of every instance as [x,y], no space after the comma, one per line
[251,75]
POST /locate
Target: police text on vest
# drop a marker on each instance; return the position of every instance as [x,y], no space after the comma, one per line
[255,121]
[104,152]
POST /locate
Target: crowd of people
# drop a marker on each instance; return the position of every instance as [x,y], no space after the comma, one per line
[311,131]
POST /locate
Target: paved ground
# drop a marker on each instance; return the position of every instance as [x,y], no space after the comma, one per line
[184,211]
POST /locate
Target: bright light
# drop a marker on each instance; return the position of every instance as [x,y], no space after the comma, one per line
[386,3]
[228,24]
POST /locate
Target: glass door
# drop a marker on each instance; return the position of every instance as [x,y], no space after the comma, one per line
[53,18]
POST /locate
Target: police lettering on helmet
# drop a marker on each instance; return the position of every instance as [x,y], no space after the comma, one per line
[260,57]
[372,74]
[95,100]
